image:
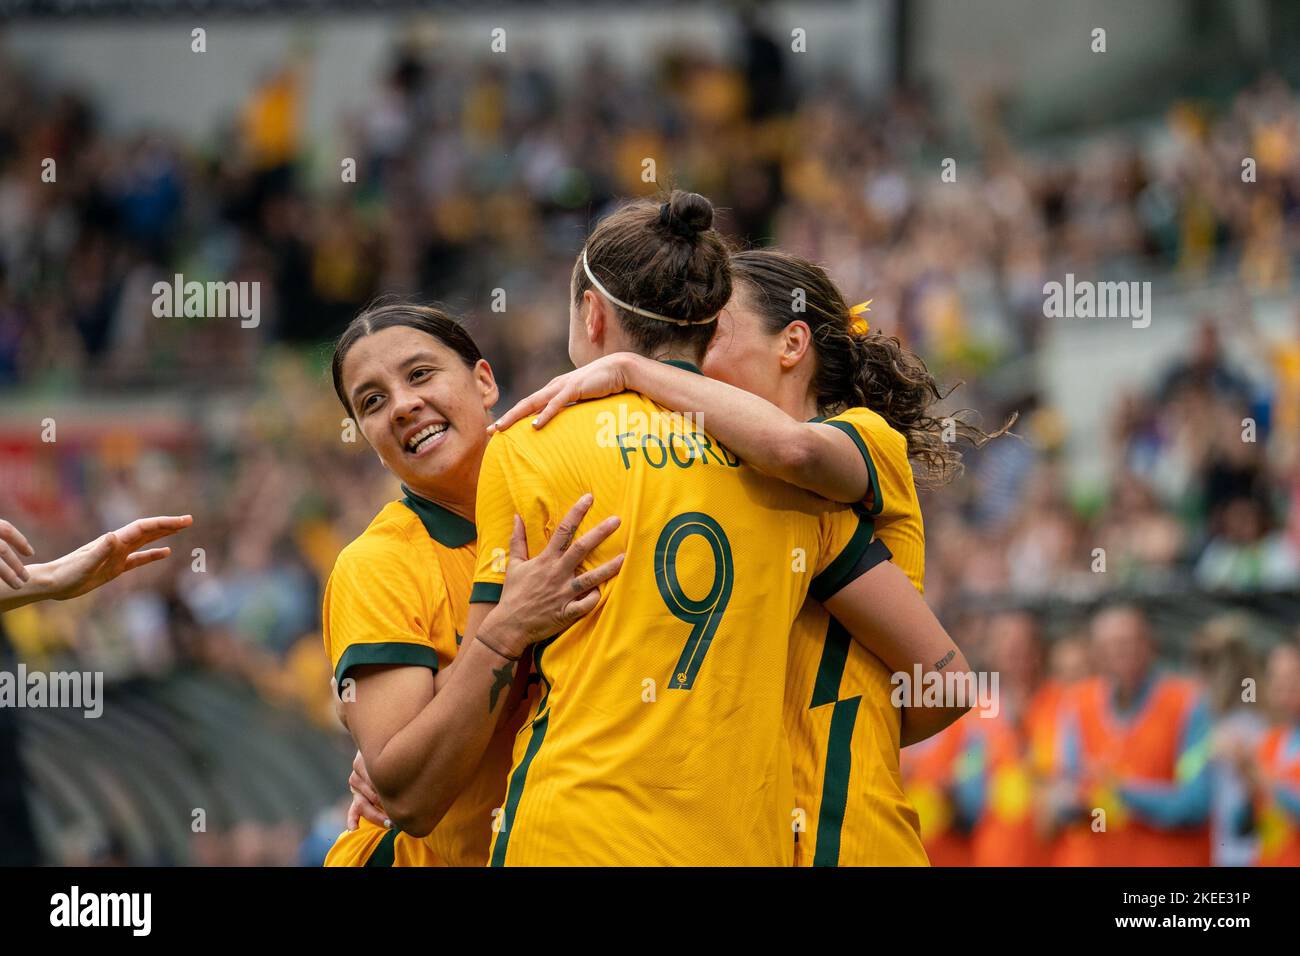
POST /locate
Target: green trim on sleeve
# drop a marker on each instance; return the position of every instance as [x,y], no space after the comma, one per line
[877,552]
[388,652]
[877,502]
[485,592]
[860,555]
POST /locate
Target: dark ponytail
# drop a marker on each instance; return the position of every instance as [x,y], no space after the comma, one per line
[664,257]
[873,370]
[382,315]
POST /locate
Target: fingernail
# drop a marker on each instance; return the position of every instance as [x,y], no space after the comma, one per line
[535,421]
[387,823]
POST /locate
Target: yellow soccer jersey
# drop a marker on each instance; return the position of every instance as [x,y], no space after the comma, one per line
[894,506]
[399,594]
[370,845]
[658,739]
[844,732]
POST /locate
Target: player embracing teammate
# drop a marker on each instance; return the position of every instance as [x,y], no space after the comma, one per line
[660,733]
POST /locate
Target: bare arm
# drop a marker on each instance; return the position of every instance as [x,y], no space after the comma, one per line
[366,801]
[884,613]
[422,747]
[809,455]
[420,738]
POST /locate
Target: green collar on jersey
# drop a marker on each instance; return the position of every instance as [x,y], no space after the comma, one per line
[446,527]
[679,363]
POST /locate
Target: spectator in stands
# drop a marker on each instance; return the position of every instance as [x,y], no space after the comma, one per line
[1136,747]
[1228,668]
[1206,369]
[1141,538]
[1247,551]
[1272,771]
[1011,750]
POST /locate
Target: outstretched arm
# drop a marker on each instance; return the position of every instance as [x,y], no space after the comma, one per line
[90,566]
[809,455]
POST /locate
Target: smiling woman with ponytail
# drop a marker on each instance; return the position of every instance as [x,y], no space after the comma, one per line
[428,698]
[799,387]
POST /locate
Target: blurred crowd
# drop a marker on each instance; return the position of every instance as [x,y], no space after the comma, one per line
[475,175]
[1201,488]
[1097,754]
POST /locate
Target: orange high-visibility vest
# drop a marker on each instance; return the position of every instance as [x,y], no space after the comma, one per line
[929,770]
[1144,749]
[1017,756]
[1279,835]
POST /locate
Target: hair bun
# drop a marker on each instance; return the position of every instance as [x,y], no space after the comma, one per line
[686,214]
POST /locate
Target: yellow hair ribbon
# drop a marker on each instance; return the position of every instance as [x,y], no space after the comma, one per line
[859,325]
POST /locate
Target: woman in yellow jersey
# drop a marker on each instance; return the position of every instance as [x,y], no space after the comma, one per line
[430,712]
[629,759]
[780,371]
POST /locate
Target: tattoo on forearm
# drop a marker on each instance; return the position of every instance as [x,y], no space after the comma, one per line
[504,675]
[947,659]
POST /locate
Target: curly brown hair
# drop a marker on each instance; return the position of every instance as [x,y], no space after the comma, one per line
[874,371]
